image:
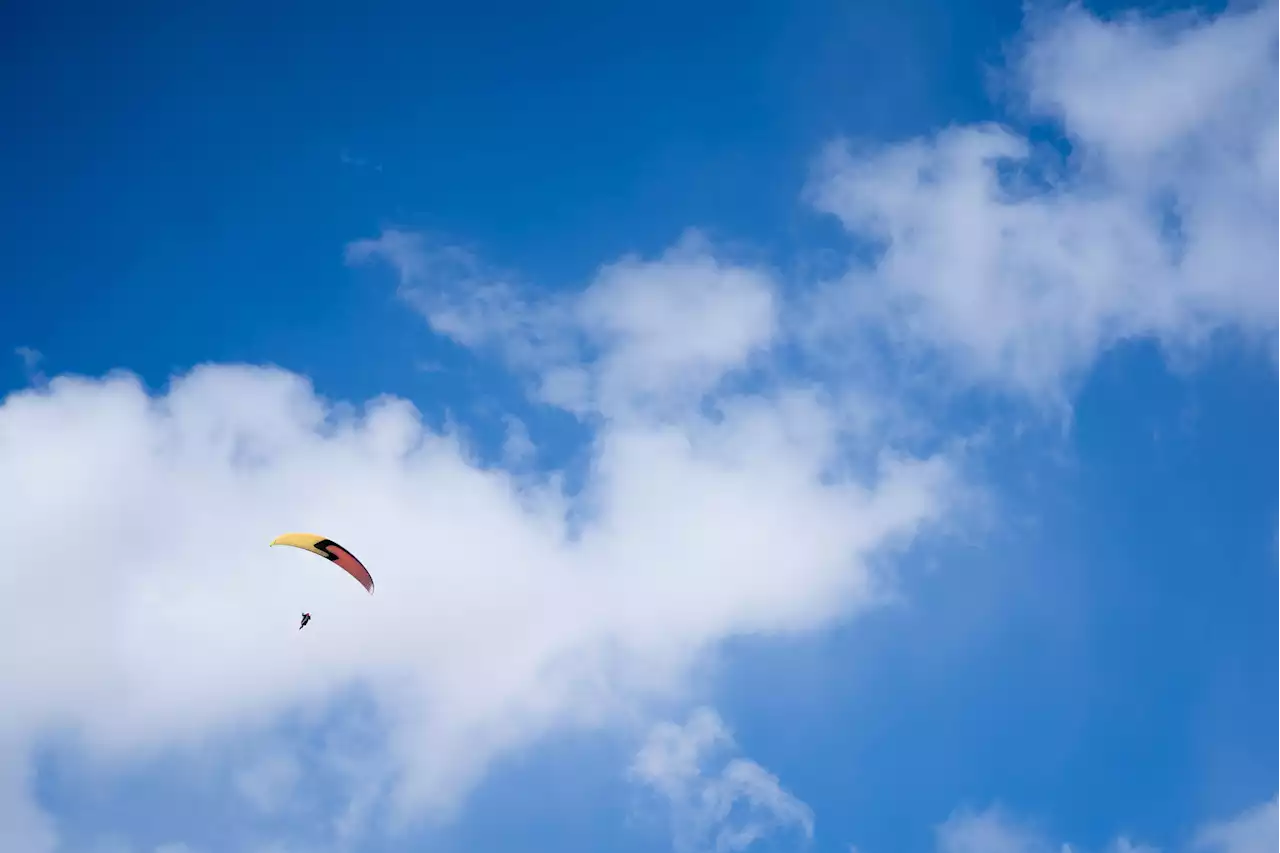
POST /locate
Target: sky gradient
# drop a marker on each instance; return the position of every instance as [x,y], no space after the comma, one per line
[771,427]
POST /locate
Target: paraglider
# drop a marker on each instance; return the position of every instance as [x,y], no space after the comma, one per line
[330,550]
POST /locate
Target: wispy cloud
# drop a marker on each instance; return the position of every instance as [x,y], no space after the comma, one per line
[726,809]
[996,831]
[357,162]
[644,332]
[31,359]
[1256,830]
[990,831]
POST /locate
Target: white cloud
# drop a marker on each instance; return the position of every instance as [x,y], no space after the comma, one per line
[142,523]
[1163,223]
[405,251]
[1196,80]
[725,810]
[675,326]
[1256,830]
[468,301]
[989,831]
[645,333]
[995,831]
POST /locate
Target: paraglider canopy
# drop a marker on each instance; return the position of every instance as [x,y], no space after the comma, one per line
[330,550]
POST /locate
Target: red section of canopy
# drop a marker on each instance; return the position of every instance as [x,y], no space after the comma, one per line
[352,566]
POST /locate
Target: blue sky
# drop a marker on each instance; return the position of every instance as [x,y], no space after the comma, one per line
[839,425]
